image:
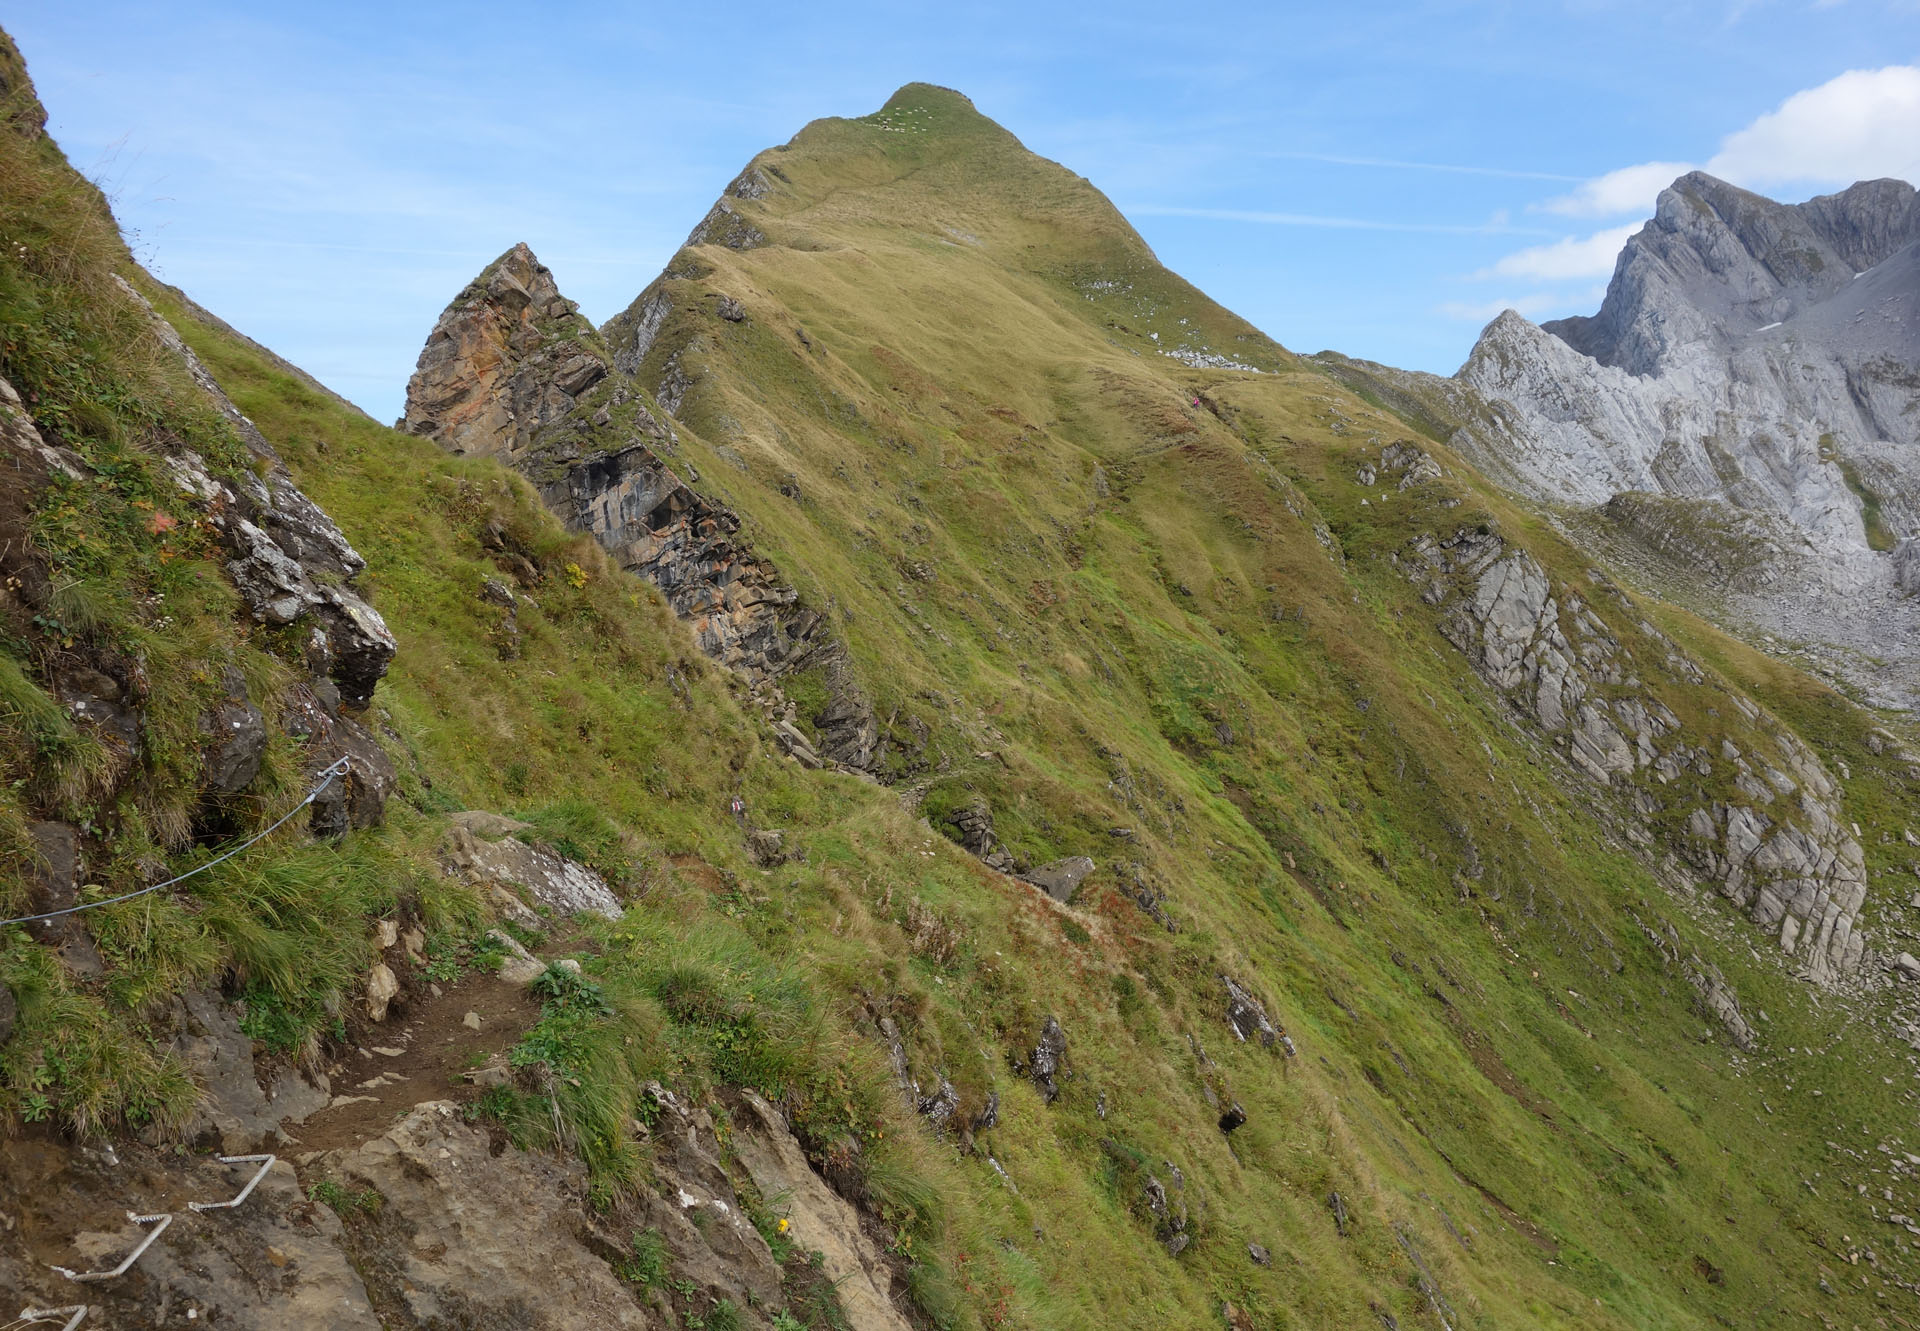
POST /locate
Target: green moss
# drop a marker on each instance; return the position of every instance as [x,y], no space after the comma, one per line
[1879,535]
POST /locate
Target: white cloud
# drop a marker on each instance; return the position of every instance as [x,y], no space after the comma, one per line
[1631,189]
[1565,260]
[1858,126]
[1863,124]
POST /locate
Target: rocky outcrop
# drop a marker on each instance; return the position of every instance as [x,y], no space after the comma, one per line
[275,1262]
[292,568]
[1048,1063]
[507,358]
[1247,1017]
[1760,362]
[512,371]
[451,1241]
[972,824]
[1751,808]
[742,614]
[288,559]
[236,1112]
[821,1221]
[485,850]
[1062,878]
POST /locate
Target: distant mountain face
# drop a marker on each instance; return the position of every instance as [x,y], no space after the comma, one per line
[1742,414]
[1717,264]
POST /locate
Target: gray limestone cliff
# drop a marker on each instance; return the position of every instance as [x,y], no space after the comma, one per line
[1739,801]
[1740,419]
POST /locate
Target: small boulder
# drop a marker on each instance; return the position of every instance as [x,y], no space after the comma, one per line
[382,988]
[939,1107]
[767,846]
[1247,1015]
[1048,1056]
[1260,1256]
[1908,965]
[1233,1118]
[1061,878]
[518,966]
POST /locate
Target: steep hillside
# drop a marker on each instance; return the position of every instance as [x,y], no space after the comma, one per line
[1104,827]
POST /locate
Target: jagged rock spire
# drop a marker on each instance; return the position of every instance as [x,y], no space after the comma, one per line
[508,356]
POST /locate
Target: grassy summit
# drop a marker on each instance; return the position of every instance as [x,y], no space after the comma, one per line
[1103,559]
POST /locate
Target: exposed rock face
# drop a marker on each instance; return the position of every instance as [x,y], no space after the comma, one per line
[1062,878]
[272,1263]
[237,1113]
[512,371]
[1760,362]
[508,357]
[291,566]
[740,611]
[1049,1056]
[1760,816]
[822,1222]
[289,560]
[449,1244]
[1248,1016]
[694,1207]
[483,849]
[1717,262]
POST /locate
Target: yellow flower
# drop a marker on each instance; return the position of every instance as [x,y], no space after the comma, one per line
[784,1223]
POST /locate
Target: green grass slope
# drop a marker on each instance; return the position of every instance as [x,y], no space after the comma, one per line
[1115,591]
[1155,595]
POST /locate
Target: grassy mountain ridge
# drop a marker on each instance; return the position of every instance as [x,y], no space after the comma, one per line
[1097,627]
[1107,591]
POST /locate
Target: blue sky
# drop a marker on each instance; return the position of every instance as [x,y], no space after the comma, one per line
[1378,179]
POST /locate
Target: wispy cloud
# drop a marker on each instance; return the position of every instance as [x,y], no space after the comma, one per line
[1395,164]
[1335,223]
[1568,259]
[1630,189]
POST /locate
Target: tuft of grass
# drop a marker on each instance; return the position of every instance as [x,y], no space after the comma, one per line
[73,1061]
[580,830]
[647,1264]
[344,1201]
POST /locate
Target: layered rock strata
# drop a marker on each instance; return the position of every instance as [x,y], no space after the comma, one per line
[512,371]
[1750,808]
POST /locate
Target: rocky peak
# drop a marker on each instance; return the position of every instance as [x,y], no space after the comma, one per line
[1717,262]
[513,371]
[1753,361]
[508,356]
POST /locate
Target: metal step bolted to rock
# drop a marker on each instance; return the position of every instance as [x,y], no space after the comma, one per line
[76,1313]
